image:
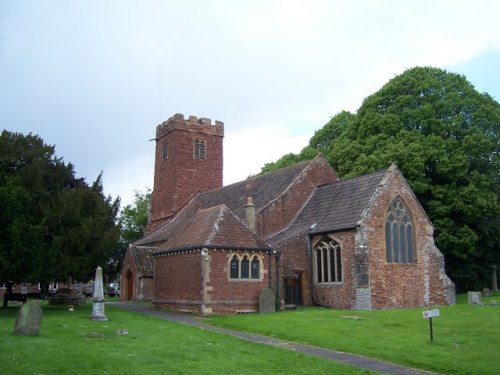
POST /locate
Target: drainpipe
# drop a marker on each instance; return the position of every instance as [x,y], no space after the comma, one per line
[270,274]
[311,266]
[278,254]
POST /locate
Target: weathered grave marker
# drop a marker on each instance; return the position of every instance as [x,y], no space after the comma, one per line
[98,299]
[29,319]
[474,298]
[266,301]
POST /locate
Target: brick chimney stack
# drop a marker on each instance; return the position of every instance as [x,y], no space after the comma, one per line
[250,214]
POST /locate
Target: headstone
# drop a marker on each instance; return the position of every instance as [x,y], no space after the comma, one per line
[266,301]
[98,299]
[474,298]
[494,285]
[29,319]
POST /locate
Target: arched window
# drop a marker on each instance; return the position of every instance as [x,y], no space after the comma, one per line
[255,268]
[200,149]
[234,267]
[399,234]
[244,267]
[328,259]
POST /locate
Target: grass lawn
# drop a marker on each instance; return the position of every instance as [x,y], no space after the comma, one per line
[466,337]
[71,343]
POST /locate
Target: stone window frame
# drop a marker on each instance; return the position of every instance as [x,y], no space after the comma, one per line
[200,148]
[398,216]
[242,274]
[337,277]
[164,151]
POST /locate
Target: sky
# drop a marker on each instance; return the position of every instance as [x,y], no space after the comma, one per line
[95,78]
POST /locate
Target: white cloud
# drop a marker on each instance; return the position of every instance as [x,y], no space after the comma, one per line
[246,151]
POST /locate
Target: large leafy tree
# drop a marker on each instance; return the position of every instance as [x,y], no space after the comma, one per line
[133,220]
[443,135]
[53,226]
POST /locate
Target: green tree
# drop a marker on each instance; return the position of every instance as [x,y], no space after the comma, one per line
[133,220]
[443,136]
[53,226]
[134,217]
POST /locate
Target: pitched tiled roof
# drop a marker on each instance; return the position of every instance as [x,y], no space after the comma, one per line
[263,189]
[143,259]
[333,207]
[212,227]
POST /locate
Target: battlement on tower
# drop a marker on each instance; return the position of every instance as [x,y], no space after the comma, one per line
[192,123]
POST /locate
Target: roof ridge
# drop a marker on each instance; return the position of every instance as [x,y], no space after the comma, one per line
[341,181]
[307,165]
[215,228]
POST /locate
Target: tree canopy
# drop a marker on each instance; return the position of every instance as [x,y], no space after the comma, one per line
[443,136]
[53,226]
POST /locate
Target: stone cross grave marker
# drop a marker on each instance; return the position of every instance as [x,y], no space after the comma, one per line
[29,319]
[266,301]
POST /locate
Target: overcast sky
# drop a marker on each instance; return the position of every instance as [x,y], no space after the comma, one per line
[94,78]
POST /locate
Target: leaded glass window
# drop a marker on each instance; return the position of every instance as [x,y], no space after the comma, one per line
[399,234]
[235,267]
[255,268]
[328,258]
[245,268]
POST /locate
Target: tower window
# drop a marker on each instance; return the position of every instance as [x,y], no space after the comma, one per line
[200,149]
[164,151]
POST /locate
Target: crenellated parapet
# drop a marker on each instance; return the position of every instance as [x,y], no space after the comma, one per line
[192,123]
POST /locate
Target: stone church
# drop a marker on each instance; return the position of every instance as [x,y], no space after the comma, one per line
[310,237]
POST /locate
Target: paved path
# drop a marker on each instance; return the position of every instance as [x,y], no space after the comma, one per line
[352,359]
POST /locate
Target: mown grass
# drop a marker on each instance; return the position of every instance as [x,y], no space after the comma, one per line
[71,343]
[466,337]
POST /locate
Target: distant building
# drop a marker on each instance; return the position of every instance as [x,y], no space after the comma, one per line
[362,243]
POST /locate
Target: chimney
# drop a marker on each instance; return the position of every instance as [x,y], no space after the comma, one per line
[250,214]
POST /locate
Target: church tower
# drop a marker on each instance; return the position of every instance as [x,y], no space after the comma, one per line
[188,160]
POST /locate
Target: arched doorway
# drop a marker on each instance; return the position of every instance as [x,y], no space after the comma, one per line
[129,288]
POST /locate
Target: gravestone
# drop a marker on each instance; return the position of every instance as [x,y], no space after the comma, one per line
[474,298]
[98,299]
[29,319]
[266,301]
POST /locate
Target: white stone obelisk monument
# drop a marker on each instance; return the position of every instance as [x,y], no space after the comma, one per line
[98,299]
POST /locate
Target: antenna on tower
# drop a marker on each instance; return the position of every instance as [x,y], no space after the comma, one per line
[159,82]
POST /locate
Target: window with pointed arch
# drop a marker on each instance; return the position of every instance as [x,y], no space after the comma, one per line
[327,261]
[399,234]
[244,267]
[200,149]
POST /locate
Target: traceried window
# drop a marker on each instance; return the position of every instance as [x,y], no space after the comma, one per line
[235,267]
[244,267]
[200,149]
[255,268]
[164,151]
[399,234]
[328,261]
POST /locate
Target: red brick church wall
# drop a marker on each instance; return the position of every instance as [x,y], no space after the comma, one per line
[394,285]
[227,295]
[282,211]
[178,281]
